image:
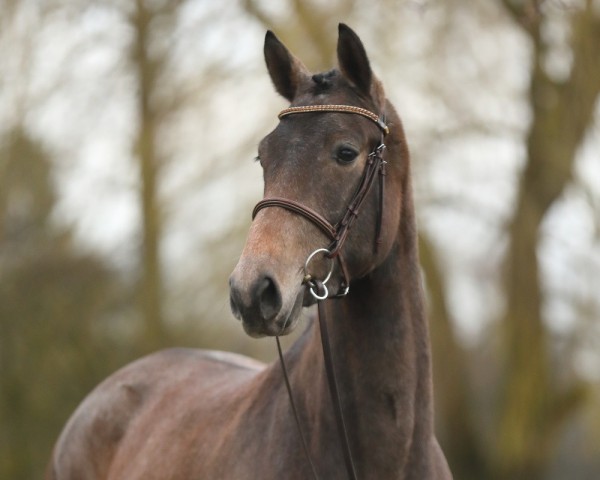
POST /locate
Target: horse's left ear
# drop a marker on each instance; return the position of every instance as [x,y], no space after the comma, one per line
[353,59]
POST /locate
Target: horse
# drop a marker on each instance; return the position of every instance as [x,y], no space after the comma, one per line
[195,414]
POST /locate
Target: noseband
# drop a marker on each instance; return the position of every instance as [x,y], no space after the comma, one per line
[339,232]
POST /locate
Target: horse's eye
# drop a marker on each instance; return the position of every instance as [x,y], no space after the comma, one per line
[346,154]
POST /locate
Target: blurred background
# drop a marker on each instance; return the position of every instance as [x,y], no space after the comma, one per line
[127,136]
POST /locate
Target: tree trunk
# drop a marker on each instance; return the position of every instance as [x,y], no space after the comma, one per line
[561,113]
[151,284]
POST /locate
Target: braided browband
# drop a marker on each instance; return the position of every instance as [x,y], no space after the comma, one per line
[338,109]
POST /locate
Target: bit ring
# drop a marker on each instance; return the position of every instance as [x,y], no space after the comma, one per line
[307,276]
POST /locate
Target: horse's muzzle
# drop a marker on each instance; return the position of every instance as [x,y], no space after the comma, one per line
[259,305]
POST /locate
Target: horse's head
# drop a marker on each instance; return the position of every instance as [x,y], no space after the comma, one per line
[317,161]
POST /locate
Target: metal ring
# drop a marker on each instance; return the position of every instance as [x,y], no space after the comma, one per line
[316,295]
[306,274]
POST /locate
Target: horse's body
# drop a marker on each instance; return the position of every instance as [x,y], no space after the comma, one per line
[186,414]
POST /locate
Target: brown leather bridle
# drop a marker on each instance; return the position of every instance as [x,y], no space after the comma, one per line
[375,166]
[337,233]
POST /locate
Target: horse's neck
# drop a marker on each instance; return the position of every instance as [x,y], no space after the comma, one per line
[381,354]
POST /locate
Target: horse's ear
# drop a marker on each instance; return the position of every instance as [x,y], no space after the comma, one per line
[353,59]
[284,68]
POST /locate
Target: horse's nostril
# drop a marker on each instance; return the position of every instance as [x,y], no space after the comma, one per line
[269,298]
[260,303]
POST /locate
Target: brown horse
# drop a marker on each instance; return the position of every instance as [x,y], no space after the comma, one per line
[188,414]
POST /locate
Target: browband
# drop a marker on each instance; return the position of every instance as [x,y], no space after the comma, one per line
[338,109]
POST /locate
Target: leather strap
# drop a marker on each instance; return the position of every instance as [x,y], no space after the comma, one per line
[382,175]
[332,383]
[379,121]
[298,208]
[294,409]
[333,389]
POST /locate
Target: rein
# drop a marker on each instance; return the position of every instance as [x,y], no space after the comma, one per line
[338,233]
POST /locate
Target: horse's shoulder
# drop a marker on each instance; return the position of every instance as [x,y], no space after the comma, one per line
[121,394]
[102,419]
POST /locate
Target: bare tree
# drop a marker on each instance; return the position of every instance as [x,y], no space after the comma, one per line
[533,405]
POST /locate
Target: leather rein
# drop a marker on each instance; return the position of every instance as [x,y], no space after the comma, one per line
[338,233]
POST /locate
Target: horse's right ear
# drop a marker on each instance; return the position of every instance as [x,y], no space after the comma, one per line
[285,70]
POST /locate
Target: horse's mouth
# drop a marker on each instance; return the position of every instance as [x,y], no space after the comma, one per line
[283,324]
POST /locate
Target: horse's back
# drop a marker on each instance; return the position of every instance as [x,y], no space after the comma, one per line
[168,390]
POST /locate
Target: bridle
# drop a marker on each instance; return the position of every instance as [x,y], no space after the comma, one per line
[338,233]
[375,166]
